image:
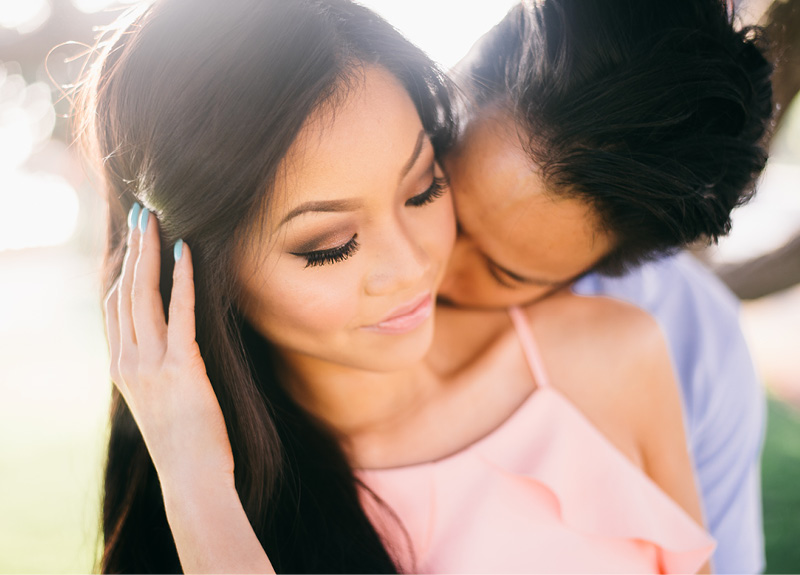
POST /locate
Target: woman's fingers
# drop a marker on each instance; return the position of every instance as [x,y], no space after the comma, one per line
[181,328]
[147,305]
[112,332]
[126,328]
[137,330]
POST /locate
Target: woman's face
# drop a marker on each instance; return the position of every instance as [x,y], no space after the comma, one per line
[357,236]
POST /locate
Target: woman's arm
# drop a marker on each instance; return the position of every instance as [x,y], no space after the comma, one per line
[158,368]
[659,422]
[210,528]
[633,397]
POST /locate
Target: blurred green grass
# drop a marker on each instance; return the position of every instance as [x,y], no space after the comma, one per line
[50,505]
[781,488]
[54,393]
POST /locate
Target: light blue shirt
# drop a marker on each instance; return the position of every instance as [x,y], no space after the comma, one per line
[723,399]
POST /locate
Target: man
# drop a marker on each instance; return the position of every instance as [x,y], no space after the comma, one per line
[584,155]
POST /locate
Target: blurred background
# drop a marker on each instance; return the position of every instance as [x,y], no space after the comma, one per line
[54,388]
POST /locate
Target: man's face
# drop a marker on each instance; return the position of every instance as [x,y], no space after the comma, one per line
[516,242]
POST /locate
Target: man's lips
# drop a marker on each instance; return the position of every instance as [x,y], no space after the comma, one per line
[406,317]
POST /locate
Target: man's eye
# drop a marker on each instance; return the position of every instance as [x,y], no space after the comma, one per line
[434,192]
[330,256]
[499,277]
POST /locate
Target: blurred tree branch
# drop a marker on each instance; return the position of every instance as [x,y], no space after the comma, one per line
[764,275]
[782,25]
[780,269]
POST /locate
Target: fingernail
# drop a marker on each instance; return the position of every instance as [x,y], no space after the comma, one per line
[178,250]
[133,215]
[143,220]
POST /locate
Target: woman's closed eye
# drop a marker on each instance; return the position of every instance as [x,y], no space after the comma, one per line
[330,255]
[314,258]
[436,190]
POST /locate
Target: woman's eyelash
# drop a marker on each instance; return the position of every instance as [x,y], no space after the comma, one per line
[341,253]
[330,256]
[436,191]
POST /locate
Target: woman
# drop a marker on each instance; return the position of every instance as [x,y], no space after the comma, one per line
[293,145]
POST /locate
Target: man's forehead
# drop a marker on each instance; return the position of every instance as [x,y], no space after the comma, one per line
[537,232]
[497,169]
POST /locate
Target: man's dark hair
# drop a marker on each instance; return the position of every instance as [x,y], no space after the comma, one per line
[653,111]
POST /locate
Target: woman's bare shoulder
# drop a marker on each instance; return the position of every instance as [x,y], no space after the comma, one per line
[611,333]
[611,359]
[597,316]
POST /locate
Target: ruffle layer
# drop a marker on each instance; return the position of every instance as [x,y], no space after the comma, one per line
[545,492]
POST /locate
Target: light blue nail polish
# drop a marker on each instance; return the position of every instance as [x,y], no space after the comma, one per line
[143,220]
[133,215]
[178,250]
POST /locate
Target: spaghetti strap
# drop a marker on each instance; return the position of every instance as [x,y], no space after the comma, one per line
[529,347]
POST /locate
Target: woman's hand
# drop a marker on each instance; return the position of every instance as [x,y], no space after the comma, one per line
[157,365]
[159,371]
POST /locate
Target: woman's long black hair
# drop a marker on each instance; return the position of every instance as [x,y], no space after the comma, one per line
[192,106]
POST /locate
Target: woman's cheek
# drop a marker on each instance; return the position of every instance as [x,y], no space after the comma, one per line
[310,303]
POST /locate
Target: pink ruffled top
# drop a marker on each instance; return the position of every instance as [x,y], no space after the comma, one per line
[546,492]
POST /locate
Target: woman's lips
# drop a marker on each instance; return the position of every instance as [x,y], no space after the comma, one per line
[406,317]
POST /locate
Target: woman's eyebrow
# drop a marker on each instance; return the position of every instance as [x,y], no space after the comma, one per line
[344,205]
[352,204]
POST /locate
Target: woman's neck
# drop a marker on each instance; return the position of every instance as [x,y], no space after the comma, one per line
[357,403]
[380,417]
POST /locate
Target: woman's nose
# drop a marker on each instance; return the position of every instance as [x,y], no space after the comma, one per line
[402,264]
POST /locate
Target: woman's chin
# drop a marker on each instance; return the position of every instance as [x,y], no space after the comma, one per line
[384,352]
